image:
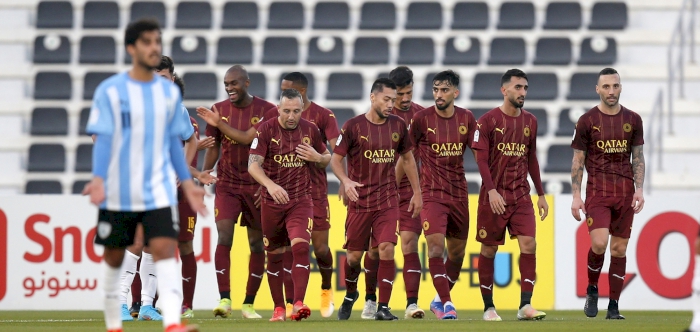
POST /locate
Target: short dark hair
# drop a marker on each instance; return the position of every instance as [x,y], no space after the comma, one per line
[401,76]
[512,73]
[381,83]
[297,79]
[135,29]
[291,94]
[166,62]
[448,76]
[180,83]
[608,71]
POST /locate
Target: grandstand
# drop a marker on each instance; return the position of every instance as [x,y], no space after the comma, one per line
[54,53]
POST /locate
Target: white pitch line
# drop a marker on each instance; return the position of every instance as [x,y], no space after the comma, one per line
[48,320]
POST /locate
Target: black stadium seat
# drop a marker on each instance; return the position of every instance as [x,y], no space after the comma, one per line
[428,86]
[58,50]
[98,50]
[563,15]
[608,16]
[371,51]
[181,55]
[342,115]
[566,126]
[345,86]
[54,15]
[557,187]
[424,15]
[378,16]
[84,116]
[487,86]
[100,15]
[517,15]
[240,15]
[193,15]
[43,187]
[453,56]
[507,51]
[559,159]
[258,84]
[582,86]
[542,86]
[78,186]
[286,15]
[333,56]
[470,15]
[52,85]
[49,121]
[201,85]
[331,15]
[553,51]
[542,120]
[416,51]
[589,56]
[234,50]
[47,158]
[281,50]
[91,81]
[148,9]
[83,158]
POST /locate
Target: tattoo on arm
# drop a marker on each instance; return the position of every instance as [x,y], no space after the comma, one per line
[638,165]
[254,158]
[577,170]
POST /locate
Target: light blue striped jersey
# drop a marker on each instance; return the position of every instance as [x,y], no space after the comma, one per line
[141,117]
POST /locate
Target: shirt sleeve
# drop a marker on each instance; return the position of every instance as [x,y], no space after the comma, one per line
[260,142]
[405,141]
[330,127]
[582,136]
[638,132]
[189,128]
[318,142]
[533,163]
[471,128]
[101,120]
[344,140]
[480,139]
[416,130]
[270,113]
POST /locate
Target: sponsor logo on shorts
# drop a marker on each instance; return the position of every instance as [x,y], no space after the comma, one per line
[627,127]
[482,233]
[463,129]
[306,140]
[526,131]
[589,221]
[104,228]
[426,225]
[266,242]
[395,137]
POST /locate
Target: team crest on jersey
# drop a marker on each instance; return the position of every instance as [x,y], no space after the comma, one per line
[254,120]
[482,233]
[426,225]
[306,140]
[589,221]
[463,129]
[627,127]
[526,131]
[395,137]
[266,242]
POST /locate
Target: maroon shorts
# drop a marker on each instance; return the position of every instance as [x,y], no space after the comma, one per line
[407,223]
[614,213]
[188,218]
[283,222]
[322,214]
[364,230]
[450,218]
[230,203]
[519,218]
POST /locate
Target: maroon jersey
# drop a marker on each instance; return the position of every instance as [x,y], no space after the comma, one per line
[405,189]
[372,151]
[282,164]
[232,170]
[196,134]
[608,141]
[508,141]
[441,143]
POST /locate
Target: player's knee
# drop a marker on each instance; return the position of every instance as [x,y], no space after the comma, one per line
[185,247]
[436,250]
[257,246]
[409,248]
[354,260]
[321,249]
[618,249]
[386,251]
[488,251]
[599,245]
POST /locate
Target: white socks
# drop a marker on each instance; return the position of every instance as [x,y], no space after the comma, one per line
[169,290]
[148,279]
[127,274]
[112,309]
[695,323]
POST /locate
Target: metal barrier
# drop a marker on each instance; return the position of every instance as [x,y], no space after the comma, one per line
[676,60]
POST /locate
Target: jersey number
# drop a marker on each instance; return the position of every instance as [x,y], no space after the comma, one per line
[126,120]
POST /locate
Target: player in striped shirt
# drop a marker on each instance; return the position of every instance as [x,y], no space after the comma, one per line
[136,158]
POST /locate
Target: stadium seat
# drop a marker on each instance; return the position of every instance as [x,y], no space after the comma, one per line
[371,51]
[563,16]
[334,54]
[98,50]
[47,158]
[201,85]
[202,125]
[280,50]
[470,15]
[516,15]
[424,15]
[101,15]
[487,86]
[310,89]
[416,51]
[189,50]
[331,15]
[333,186]
[582,86]
[470,56]
[479,112]
[566,126]
[608,16]
[193,15]
[51,49]
[53,85]
[286,15]
[554,187]
[378,16]
[258,84]
[345,86]
[428,86]
[607,55]
[240,15]
[542,120]
[342,115]
[49,122]
[473,187]
[83,158]
[146,9]
[469,162]
[507,51]
[78,186]
[54,15]
[91,81]
[542,86]
[559,159]
[553,51]
[234,50]
[84,116]
[43,187]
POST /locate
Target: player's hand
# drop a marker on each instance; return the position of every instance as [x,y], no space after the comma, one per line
[195,197]
[206,178]
[638,200]
[350,190]
[278,194]
[96,189]
[416,205]
[258,198]
[211,116]
[308,153]
[542,207]
[577,205]
[205,143]
[498,205]
[341,194]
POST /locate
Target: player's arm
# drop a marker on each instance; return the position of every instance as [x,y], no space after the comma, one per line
[255,169]
[194,194]
[190,148]
[213,118]
[308,153]
[638,168]
[204,177]
[212,155]
[577,165]
[534,170]
[409,166]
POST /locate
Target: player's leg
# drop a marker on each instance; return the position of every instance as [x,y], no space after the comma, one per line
[385,230]
[324,256]
[149,286]
[288,262]
[695,323]
[491,229]
[136,289]
[129,269]
[188,220]
[358,228]
[622,216]
[409,231]
[371,268]
[251,219]
[227,208]
[299,223]
[456,239]
[115,231]
[522,225]
[275,240]
[598,222]
[434,216]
